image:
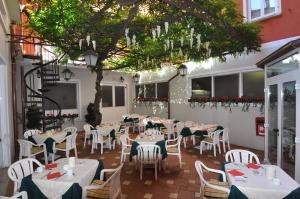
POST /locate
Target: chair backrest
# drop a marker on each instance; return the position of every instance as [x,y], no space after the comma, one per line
[215,136]
[241,156]
[115,183]
[21,195]
[31,132]
[25,147]
[20,169]
[71,141]
[152,132]
[189,123]
[179,126]
[225,134]
[126,132]
[87,128]
[148,153]
[124,140]
[199,168]
[70,129]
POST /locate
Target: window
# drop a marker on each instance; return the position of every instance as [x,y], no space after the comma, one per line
[253,83]
[260,9]
[201,87]
[65,94]
[150,90]
[107,96]
[162,90]
[119,96]
[227,85]
[284,66]
[139,91]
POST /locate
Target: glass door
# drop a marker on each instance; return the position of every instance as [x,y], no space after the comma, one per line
[273,130]
[288,131]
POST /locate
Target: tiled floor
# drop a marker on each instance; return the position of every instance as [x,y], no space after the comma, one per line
[172,182]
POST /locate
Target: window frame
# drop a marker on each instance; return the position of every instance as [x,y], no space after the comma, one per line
[144,87]
[247,11]
[113,85]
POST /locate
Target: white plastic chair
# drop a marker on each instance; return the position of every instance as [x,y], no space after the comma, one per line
[100,137]
[153,132]
[111,188]
[241,156]
[213,189]
[225,139]
[174,149]
[21,195]
[67,146]
[170,129]
[31,132]
[148,154]
[30,150]
[212,140]
[189,123]
[70,129]
[87,132]
[20,169]
[126,146]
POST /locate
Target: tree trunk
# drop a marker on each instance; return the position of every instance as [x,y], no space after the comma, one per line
[98,95]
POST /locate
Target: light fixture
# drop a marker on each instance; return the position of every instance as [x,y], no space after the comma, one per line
[67,73]
[122,79]
[182,70]
[91,58]
[136,78]
[38,74]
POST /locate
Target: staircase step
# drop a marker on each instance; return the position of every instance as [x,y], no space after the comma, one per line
[51,80]
[37,96]
[34,102]
[44,90]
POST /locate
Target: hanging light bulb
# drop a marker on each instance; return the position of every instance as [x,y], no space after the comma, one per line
[165,47]
[88,39]
[181,41]
[166,27]
[80,43]
[133,40]
[172,44]
[153,34]
[168,43]
[158,29]
[128,41]
[198,42]
[126,32]
[94,44]
[180,52]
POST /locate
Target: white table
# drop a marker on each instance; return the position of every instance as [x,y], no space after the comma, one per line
[84,171]
[256,186]
[56,136]
[149,140]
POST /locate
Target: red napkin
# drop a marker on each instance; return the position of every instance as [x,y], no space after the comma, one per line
[235,173]
[53,175]
[51,166]
[253,166]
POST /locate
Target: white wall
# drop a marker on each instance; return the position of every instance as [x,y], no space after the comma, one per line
[87,91]
[6,127]
[241,124]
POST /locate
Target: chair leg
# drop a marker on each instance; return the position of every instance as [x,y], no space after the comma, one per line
[84,142]
[92,148]
[228,145]
[67,153]
[180,162]
[141,172]
[193,138]
[219,147]
[102,148]
[201,145]
[215,152]
[46,157]
[184,142]
[224,146]
[155,171]
[75,150]
[53,157]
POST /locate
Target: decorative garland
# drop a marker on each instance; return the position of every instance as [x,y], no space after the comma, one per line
[228,102]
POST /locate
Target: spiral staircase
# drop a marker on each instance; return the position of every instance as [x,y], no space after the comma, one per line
[38,81]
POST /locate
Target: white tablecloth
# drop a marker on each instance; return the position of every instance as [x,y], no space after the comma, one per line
[84,171]
[256,186]
[148,140]
[57,136]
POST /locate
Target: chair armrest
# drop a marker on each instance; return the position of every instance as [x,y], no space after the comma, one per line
[103,171]
[227,190]
[172,140]
[172,145]
[216,171]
